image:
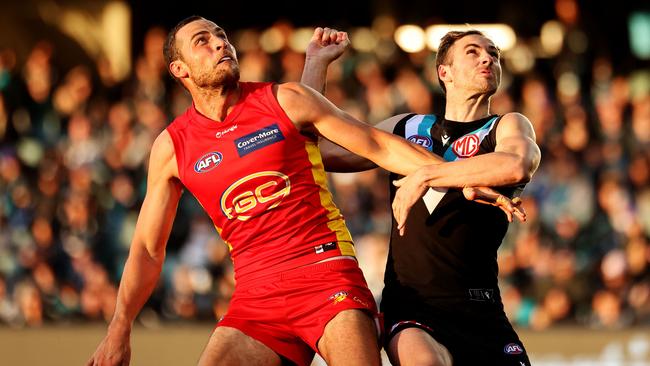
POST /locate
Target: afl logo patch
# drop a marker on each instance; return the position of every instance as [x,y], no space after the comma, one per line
[466,146]
[513,349]
[208,162]
[420,140]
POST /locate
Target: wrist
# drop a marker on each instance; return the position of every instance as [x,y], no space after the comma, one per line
[317,61]
[120,324]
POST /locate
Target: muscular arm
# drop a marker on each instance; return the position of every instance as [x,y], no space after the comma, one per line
[312,113]
[147,252]
[325,46]
[514,160]
[338,159]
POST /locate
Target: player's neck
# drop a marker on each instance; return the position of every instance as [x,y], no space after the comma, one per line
[216,103]
[464,108]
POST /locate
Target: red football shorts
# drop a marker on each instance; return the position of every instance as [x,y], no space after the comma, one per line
[288,311]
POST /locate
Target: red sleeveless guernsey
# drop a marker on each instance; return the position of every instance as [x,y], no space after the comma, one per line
[262,183]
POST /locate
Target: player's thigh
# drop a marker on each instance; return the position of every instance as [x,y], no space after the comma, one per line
[414,346]
[231,347]
[350,338]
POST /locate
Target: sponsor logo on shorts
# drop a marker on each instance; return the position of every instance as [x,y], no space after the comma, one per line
[325,247]
[208,162]
[266,136]
[338,297]
[513,349]
[254,194]
[360,301]
[420,140]
[466,146]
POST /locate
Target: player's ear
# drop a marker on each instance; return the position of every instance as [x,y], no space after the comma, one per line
[444,74]
[179,69]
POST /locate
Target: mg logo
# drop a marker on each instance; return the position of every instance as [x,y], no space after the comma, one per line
[254,194]
[420,140]
[466,146]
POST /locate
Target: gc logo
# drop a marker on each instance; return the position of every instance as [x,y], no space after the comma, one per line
[254,194]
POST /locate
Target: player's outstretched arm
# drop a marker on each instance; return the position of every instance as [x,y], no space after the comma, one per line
[514,161]
[339,159]
[146,255]
[312,113]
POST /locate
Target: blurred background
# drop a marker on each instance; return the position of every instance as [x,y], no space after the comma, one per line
[84,91]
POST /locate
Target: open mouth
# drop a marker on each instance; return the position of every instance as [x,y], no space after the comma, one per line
[225,58]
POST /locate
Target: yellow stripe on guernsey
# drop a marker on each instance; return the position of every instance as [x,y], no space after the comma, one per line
[219,231]
[336,222]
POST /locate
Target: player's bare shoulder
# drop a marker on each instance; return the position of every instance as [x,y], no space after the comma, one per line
[302,104]
[162,160]
[292,94]
[515,123]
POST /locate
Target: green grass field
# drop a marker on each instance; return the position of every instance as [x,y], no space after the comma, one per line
[182,345]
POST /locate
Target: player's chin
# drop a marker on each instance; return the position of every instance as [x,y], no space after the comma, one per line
[490,88]
[228,76]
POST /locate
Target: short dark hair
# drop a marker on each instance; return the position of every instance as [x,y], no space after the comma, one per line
[170,51]
[446,42]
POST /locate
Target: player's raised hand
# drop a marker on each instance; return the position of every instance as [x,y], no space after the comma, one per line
[327,45]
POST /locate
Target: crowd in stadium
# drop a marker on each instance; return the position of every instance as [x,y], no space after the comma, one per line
[74,144]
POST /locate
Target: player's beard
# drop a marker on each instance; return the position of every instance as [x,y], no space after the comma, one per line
[486,86]
[215,77]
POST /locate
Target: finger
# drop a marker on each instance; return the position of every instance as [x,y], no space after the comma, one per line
[516,201]
[398,212]
[469,193]
[508,213]
[343,39]
[522,210]
[398,183]
[489,194]
[520,214]
[506,206]
[505,202]
[325,37]
[334,35]
[318,34]
[401,232]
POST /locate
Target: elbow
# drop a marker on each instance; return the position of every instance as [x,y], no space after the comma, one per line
[150,253]
[522,171]
[157,255]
